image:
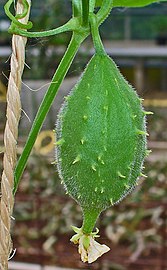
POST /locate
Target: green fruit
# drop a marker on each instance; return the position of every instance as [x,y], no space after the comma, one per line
[101,135]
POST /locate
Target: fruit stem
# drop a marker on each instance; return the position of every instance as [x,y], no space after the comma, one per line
[95,35]
[89,220]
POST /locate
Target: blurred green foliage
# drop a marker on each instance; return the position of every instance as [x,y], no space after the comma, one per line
[43,55]
[140,23]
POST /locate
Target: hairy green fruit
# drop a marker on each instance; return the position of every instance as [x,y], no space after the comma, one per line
[101,135]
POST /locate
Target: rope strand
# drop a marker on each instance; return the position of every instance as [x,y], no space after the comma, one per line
[10,140]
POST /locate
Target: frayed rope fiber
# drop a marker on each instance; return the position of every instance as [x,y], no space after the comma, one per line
[10,140]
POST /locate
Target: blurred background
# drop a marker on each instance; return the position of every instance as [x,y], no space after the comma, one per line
[136,229]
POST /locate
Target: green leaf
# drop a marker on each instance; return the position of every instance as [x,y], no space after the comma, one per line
[134,3]
[99,3]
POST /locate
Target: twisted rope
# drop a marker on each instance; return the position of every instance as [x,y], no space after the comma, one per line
[10,140]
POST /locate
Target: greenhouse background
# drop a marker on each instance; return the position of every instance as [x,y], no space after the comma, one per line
[136,229]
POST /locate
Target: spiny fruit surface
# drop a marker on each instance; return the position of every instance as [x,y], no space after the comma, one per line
[101,137]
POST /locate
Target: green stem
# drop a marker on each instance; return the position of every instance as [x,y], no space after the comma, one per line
[89,220]
[85,12]
[77,8]
[95,35]
[92,5]
[69,26]
[46,103]
[104,11]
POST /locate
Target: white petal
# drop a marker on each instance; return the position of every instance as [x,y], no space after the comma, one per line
[96,250]
[82,251]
